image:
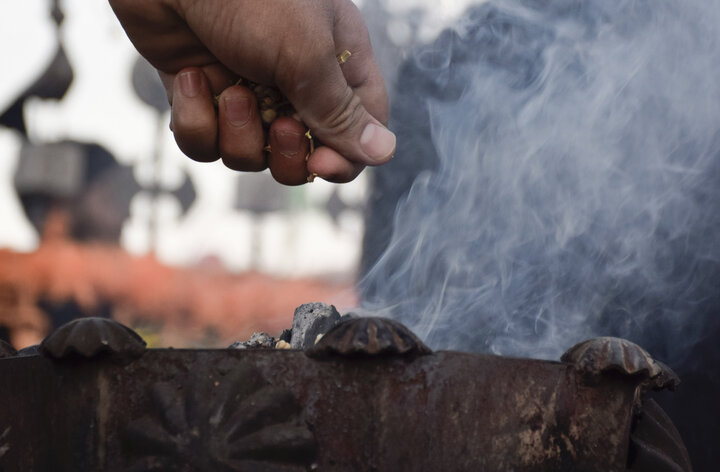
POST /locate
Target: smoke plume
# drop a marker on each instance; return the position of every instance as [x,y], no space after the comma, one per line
[557,178]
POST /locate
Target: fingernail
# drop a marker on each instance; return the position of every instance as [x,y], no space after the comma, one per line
[377,142]
[237,110]
[288,143]
[190,83]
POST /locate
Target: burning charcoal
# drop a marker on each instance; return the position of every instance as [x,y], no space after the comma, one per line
[256,341]
[349,316]
[286,335]
[606,354]
[310,320]
[262,340]
[89,337]
[6,350]
[364,337]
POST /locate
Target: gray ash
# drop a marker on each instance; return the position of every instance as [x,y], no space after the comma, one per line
[257,341]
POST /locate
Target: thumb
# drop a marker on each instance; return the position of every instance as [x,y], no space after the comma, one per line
[336,110]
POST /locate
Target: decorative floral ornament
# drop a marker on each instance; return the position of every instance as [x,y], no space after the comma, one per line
[231,422]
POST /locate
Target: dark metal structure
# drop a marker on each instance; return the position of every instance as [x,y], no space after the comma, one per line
[368,396]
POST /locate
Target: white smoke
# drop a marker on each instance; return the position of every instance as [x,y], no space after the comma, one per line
[573,187]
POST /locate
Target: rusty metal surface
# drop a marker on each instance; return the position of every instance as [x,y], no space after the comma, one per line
[193,409]
[603,355]
[655,443]
[368,337]
[90,337]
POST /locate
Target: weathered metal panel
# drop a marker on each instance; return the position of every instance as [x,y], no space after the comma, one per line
[281,410]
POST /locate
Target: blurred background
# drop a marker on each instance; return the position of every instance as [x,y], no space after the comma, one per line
[101,215]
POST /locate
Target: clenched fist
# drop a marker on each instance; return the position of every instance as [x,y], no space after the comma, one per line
[202,48]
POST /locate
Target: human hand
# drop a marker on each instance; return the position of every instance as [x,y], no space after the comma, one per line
[202,47]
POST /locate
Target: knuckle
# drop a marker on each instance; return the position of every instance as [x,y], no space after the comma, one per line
[346,114]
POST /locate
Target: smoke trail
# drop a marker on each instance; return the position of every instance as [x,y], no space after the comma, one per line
[558,178]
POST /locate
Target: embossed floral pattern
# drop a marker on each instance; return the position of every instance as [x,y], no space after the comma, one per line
[369,336]
[607,354]
[89,337]
[231,422]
